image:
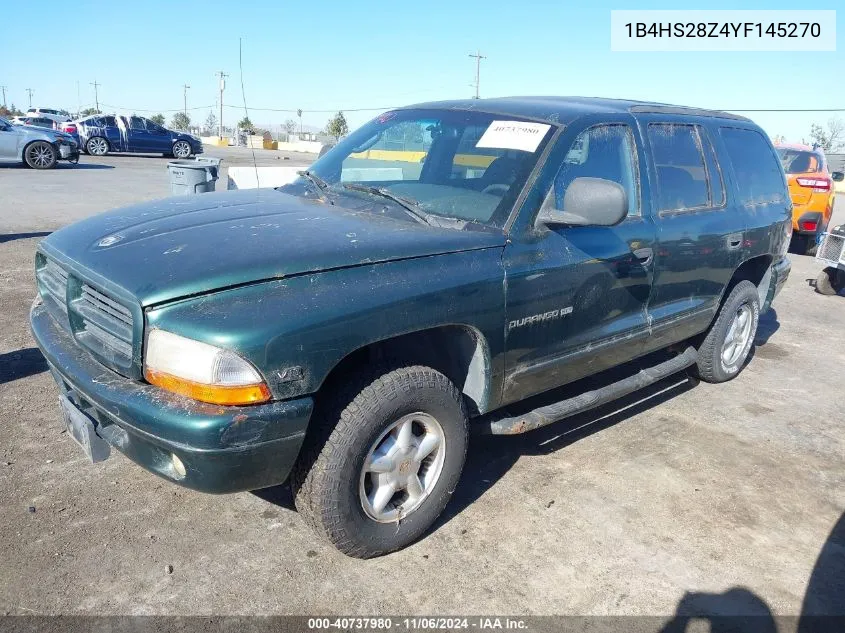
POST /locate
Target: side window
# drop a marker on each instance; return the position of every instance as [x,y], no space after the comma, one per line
[602,151]
[714,170]
[679,161]
[137,123]
[108,121]
[758,174]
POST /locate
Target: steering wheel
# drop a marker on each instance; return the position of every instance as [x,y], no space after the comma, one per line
[496,187]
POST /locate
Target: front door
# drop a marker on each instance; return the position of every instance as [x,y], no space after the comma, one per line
[9,141]
[576,297]
[144,139]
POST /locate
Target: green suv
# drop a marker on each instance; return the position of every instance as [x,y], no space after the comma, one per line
[427,275]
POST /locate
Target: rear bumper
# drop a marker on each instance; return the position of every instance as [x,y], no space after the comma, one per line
[224,449]
[779,274]
[815,218]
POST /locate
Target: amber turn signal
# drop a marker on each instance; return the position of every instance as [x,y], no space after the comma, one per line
[214,394]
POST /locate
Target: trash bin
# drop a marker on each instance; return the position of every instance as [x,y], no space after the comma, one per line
[188,177]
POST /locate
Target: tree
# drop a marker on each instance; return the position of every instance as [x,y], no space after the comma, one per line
[337,126]
[290,126]
[245,123]
[158,118]
[180,121]
[830,139]
[88,111]
[778,139]
[210,122]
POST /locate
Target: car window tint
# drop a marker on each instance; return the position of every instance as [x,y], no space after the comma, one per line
[714,170]
[137,123]
[758,175]
[603,151]
[679,161]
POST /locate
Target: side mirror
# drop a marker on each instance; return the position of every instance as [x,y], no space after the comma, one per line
[838,176]
[587,202]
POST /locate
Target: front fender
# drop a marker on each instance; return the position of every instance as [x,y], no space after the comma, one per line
[296,330]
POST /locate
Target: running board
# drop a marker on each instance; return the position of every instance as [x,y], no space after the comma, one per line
[513,425]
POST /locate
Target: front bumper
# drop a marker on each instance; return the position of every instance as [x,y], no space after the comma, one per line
[224,449]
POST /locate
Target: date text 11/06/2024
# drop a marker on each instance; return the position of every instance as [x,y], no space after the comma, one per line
[418,623]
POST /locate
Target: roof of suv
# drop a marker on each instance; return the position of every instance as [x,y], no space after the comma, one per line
[567,109]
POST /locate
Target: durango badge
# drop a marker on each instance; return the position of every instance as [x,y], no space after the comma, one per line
[539,318]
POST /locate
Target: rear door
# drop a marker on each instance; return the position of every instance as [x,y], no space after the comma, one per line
[700,235]
[577,295]
[140,139]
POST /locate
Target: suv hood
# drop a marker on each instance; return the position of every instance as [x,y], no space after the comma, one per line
[172,248]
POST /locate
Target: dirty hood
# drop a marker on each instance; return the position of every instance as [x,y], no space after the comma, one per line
[172,248]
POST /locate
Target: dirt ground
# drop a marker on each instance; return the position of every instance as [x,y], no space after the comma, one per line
[684,494]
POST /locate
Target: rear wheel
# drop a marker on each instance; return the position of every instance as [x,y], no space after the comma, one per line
[831,281]
[41,155]
[382,460]
[725,348]
[97,146]
[181,149]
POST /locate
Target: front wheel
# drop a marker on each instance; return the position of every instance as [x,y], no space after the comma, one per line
[181,149]
[41,155]
[97,146]
[725,348]
[381,464]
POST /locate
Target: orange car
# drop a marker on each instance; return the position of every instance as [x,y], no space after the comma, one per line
[811,190]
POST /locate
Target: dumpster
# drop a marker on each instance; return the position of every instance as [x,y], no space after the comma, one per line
[190,176]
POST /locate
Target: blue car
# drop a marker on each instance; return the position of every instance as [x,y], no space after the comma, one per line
[100,134]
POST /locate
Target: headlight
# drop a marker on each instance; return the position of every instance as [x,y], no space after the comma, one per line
[201,371]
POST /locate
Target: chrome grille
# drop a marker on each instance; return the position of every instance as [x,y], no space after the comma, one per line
[830,250]
[97,321]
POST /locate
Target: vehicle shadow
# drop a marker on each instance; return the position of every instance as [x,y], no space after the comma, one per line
[766,327]
[20,364]
[11,237]
[740,610]
[81,165]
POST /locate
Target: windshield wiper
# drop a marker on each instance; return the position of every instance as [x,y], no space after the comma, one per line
[411,206]
[320,185]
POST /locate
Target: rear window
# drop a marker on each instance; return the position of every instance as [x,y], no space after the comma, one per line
[758,174]
[682,181]
[796,161]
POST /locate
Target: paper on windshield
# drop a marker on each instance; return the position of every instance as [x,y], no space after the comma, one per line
[519,135]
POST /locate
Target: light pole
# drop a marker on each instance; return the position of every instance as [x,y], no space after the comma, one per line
[29,92]
[299,114]
[222,76]
[3,88]
[478,57]
[185,96]
[96,96]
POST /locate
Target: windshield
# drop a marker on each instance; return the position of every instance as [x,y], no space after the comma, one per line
[469,166]
[796,161]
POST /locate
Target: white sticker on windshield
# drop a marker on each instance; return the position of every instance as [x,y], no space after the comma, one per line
[513,135]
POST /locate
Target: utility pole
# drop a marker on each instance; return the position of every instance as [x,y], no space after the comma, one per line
[96,96]
[298,113]
[222,76]
[478,57]
[185,95]
[29,92]
[3,88]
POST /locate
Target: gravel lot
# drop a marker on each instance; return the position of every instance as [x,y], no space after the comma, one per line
[682,497]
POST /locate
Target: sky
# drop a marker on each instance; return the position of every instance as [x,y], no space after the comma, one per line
[340,55]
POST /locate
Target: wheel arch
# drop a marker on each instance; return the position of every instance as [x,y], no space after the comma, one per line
[755,269]
[37,140]
[105,138]
[460,352]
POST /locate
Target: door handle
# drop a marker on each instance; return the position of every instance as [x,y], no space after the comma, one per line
[734,240]
[645,255]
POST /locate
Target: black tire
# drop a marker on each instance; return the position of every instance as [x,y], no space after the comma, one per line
[97,146]
[830,281]
[327,475]
[711,366]
[40,155]
[181,144]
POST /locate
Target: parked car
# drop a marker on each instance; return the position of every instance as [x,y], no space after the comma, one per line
[59,116]
[37,147]
[811,189]
[69,127]
[104,133]
[50,124]
[349,329]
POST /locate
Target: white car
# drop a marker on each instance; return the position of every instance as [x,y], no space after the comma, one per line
[37,147]
[59,116]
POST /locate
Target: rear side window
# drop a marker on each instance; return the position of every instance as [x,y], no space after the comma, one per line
[800,162]
[681,172]
[108,121]
[758,175]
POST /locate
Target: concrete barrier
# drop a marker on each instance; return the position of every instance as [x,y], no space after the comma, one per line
[215,140]
[250,177]
[307,147]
